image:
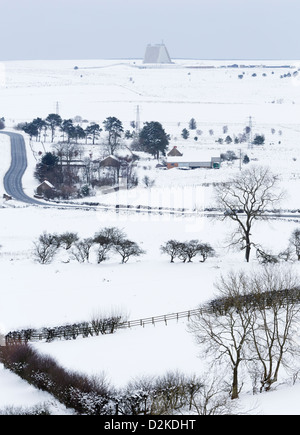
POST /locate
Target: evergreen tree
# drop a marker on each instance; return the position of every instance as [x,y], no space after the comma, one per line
[94,131]
[259,139]
[228,140]
[53,121]
[48,169]
[153,139]
[2,123]
[68,128]
[40,125]
[185,133]
[246,159]
[192,124]
[31,129]
[114,128]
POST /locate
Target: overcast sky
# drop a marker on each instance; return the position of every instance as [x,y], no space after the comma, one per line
[98,29]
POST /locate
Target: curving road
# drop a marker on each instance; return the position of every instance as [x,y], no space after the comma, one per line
[13,185]
[13,178]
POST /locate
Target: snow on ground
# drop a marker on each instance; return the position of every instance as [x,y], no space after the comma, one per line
[16,393]
[131,354]
[66,291]
[153,351]
[34,295]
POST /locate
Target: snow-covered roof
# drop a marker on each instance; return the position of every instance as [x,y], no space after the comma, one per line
[110,161]
[47,183]
[194,156]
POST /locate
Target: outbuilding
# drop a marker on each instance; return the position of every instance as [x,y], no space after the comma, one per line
[195,160]
[45,188]
[174,152]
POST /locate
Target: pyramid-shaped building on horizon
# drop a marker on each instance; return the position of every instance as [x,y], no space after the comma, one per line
[157,53]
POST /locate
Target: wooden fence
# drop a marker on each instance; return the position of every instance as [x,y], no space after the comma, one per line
[90,329]
[164,318]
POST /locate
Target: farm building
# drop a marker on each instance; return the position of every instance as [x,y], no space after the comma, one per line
[174,152]
[201,159]
[45,188]
[110,161]
[157,53]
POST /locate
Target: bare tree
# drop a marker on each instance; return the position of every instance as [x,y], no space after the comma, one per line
[67,239]
[213,398]
[126,248]
[224,334]
[189,250]
[274,321]
[106,239]
[46,247]
[295,242]
[172,248]
[245,199]
[254,321]
[81,250]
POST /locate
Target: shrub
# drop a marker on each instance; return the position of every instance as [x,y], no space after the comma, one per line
[171,248]
[46,247]
[81,250]
[90,396]
[259,139]
[100,324]
[126,248]
[265,257]
[106,239]
[165,395]
[42,409]
[185,251]
[66,240]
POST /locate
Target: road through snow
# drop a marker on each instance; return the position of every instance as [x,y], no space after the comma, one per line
[13,187]
[13,178]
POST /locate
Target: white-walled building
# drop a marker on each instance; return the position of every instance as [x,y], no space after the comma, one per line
[157,53]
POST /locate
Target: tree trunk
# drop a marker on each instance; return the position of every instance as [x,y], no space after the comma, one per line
[248,247]
[248,250]
[235,388]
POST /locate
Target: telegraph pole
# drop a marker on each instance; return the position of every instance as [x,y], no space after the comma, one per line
[250,135]
[137,121]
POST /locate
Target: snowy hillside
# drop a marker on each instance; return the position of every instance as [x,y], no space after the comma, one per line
[35,295]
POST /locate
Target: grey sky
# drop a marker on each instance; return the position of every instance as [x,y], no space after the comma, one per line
[202,29]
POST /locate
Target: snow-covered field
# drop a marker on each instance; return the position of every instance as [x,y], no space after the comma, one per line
[65,291]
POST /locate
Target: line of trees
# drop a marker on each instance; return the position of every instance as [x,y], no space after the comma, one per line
[112,240]
[99,325]
[107,241]
[186,251]
[151,139]
[68,131]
